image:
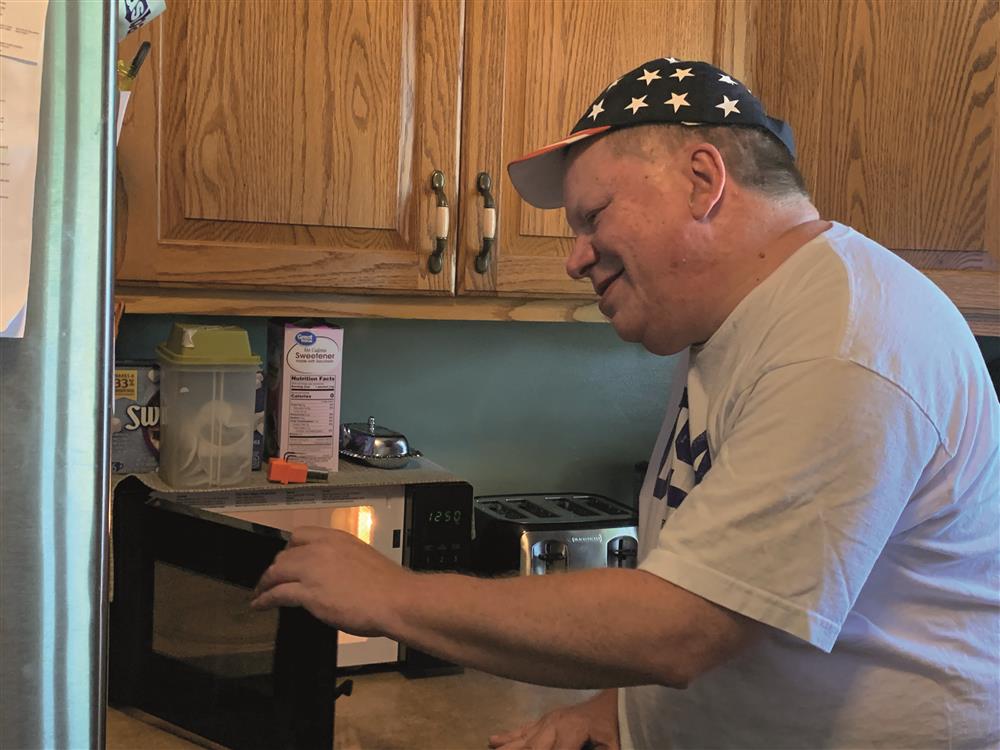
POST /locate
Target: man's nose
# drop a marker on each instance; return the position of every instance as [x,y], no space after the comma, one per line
[581,257]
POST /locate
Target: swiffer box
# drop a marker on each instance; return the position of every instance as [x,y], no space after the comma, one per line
[304,360]
[135,426]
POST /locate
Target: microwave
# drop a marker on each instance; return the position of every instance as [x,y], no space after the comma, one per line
[184,644]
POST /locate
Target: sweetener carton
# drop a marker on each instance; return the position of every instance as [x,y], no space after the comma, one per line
[304,360]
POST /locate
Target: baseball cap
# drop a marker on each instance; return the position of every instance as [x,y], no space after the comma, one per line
[668,90]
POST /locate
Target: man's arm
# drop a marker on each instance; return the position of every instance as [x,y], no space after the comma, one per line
[586,629]
[592,629]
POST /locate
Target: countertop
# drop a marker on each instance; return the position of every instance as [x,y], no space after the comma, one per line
[349,475]
[387,711]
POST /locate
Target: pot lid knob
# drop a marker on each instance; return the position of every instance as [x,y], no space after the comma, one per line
[371,425]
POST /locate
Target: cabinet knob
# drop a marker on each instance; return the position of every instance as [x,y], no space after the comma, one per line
[483,184]
[436,262]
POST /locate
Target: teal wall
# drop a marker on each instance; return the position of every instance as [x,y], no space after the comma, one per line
[511,407]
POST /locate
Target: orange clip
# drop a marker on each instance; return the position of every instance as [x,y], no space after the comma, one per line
[280,470]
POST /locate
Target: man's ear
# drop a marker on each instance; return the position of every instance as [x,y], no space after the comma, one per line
[708,179]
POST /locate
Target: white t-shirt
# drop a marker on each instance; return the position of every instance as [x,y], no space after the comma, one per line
[853,504]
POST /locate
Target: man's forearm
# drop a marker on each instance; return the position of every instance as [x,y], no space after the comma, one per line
[587,629]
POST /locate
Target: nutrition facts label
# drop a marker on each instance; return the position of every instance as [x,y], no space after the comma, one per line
[305,363]
[312,413]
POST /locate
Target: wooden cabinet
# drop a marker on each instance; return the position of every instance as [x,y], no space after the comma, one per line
[291,145]
[277,157]
[896,111]
[530,71]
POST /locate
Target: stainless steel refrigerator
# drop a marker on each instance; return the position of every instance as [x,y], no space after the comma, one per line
[54,406]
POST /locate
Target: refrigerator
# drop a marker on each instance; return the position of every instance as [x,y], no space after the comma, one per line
[55,396]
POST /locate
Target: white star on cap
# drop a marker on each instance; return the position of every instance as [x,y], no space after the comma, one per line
[596,110]
[728,105]
[672,60]
[677,100]
[648,76]
[637,104]
[681,73]
[727,79]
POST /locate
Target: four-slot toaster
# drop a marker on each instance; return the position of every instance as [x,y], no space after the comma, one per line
[535,534]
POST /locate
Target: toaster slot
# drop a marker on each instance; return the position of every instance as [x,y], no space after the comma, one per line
[575,508]
[502,509]
[605,507]
[534,509]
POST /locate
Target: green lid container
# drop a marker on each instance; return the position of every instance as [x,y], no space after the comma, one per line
[205,345]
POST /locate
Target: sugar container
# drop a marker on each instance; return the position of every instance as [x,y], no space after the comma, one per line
[208,382]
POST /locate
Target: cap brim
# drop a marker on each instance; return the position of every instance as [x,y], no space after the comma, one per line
[538,176]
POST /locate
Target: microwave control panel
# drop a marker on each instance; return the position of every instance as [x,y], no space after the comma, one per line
[438,526]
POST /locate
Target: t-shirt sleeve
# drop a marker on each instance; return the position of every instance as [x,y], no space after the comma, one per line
[803,494]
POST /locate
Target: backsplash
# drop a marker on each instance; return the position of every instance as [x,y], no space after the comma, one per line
[511,407]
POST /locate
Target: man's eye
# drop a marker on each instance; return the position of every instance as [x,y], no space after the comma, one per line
[592,217]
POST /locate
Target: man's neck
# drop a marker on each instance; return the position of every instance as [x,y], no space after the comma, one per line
[763,244]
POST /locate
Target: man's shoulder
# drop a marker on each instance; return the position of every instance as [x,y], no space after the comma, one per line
[896,319]
[857,301]
[844,295]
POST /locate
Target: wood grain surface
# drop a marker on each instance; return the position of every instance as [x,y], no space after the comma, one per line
[896,112]
[198,301]
[302,139]
[531,70]
[291,144]
[894,108]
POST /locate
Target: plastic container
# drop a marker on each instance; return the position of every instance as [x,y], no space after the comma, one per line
[208,381]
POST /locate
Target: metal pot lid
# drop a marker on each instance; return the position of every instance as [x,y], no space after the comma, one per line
[373,441]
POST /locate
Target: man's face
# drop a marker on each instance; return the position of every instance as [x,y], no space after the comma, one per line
[638,243]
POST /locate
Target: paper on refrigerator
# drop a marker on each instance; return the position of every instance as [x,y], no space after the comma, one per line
[22,36]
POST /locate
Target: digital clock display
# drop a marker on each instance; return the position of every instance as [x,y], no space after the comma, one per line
[444,517]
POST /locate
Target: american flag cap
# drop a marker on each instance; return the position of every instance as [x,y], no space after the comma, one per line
[664,90]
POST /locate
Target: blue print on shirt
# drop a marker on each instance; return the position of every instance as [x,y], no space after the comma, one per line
[685,461]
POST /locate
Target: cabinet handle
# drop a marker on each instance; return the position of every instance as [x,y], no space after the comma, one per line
[484,184]
[436,261]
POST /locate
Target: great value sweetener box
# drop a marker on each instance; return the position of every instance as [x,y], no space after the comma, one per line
[304,361]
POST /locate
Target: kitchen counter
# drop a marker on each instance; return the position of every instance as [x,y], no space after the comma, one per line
[390,712]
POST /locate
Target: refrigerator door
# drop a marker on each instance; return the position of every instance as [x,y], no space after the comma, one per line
[55,405]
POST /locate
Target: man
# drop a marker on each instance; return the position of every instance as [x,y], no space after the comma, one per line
[819,526]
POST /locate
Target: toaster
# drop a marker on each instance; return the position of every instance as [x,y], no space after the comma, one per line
[536,534]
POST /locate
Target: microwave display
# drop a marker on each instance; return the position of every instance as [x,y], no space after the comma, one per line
[446,517]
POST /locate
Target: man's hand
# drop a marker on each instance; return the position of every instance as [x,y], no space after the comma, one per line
[337,577]
[592,724]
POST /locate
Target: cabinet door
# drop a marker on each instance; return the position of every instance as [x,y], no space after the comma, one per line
[530,69]
[896,109]
[291,145]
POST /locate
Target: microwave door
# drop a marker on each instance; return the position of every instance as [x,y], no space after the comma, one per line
[376,518]
[185,645]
